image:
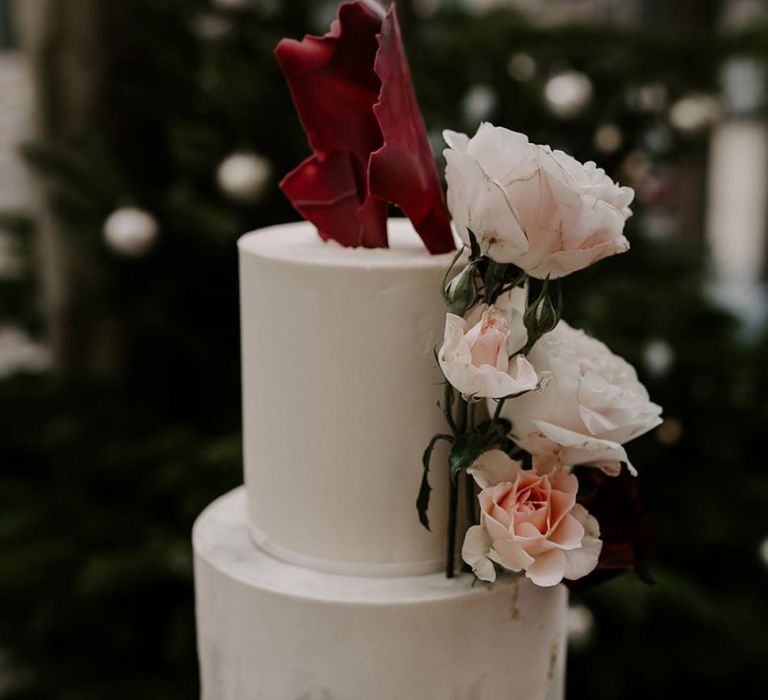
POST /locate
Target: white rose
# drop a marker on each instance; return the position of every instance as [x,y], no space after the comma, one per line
[539,209]
[592,405]
[475,354]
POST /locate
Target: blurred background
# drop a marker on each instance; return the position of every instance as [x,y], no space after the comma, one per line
[139,139]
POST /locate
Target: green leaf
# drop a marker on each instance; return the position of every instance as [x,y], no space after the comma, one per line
[544,313]
[422,500]
[461,292]
[468,448]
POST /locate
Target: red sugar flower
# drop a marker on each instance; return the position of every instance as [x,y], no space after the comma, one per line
[352,89]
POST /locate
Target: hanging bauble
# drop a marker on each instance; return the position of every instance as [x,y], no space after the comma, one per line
[521,67]
[426,8]
[636,166]
[568,93]
[234,4]
[130,231]
[658,357]
[763,551]
[670,431]
[608,138]
[580,626]
[478,103]
[212,27]
[695,113]
[658,139]
[651,97]
[244,176]
[744,85]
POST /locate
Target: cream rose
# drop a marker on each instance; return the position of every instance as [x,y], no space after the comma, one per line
[529,205]
[530,522]
[592,404]
[475,354]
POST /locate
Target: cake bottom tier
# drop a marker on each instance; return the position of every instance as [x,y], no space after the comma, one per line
[269,630]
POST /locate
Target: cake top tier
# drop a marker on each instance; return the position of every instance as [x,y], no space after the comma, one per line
[298,244]
[340,393]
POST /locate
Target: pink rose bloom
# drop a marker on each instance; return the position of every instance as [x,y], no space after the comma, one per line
[530,522]
[475,355]
[526,204]
[592,404]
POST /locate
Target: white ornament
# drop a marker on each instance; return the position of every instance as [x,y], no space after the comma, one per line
[580,625]
[234,4]
[130,231]
[651,97]
[208,26]
[521,67]
[658,139]
[658,357]
[637,166]
[478,103]
[743,82]
[763,551]
[670,431]
[695,113]
[19,353]
[568,93]
[244,176]
[608,138]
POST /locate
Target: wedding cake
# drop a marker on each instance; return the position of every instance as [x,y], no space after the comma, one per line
[384,439]
[316,581]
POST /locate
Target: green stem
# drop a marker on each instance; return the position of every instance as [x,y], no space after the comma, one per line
[497,412]
[461,425]
[469,500]
[469,495]
[448,407]
[453,501]
[463,418]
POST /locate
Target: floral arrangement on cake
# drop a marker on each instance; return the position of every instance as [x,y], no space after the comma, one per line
[537,412]
[556,398]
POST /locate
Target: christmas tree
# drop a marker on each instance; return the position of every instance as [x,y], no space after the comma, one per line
[161,139]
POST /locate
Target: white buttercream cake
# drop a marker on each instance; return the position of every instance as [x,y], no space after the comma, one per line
[316,581]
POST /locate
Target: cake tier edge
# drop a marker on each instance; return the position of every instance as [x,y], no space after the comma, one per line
[270,630]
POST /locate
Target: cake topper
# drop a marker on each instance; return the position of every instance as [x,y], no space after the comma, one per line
[352,89]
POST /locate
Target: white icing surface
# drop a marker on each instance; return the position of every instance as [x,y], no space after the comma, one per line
[340,392]
[298,243]
[268,630]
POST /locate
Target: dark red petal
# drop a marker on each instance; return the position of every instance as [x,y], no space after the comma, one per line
[325,193]
[628,541]
[403,170]
[334,88]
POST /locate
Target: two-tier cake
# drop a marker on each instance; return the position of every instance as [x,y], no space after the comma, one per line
[316,581]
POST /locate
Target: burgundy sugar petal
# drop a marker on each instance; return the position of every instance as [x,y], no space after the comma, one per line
[334,88]
[364,156]
[403,170]
[325,193]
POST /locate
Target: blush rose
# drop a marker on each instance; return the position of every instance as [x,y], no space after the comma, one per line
[592,404]
[475,354]
[530,522]
[539,209]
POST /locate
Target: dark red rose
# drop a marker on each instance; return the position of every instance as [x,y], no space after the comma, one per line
[628,541]
[353,92]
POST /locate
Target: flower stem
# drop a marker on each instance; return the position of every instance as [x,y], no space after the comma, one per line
[461,423]
[497,412]
[453,501]
[469,495]
[448,407]
[469,501]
